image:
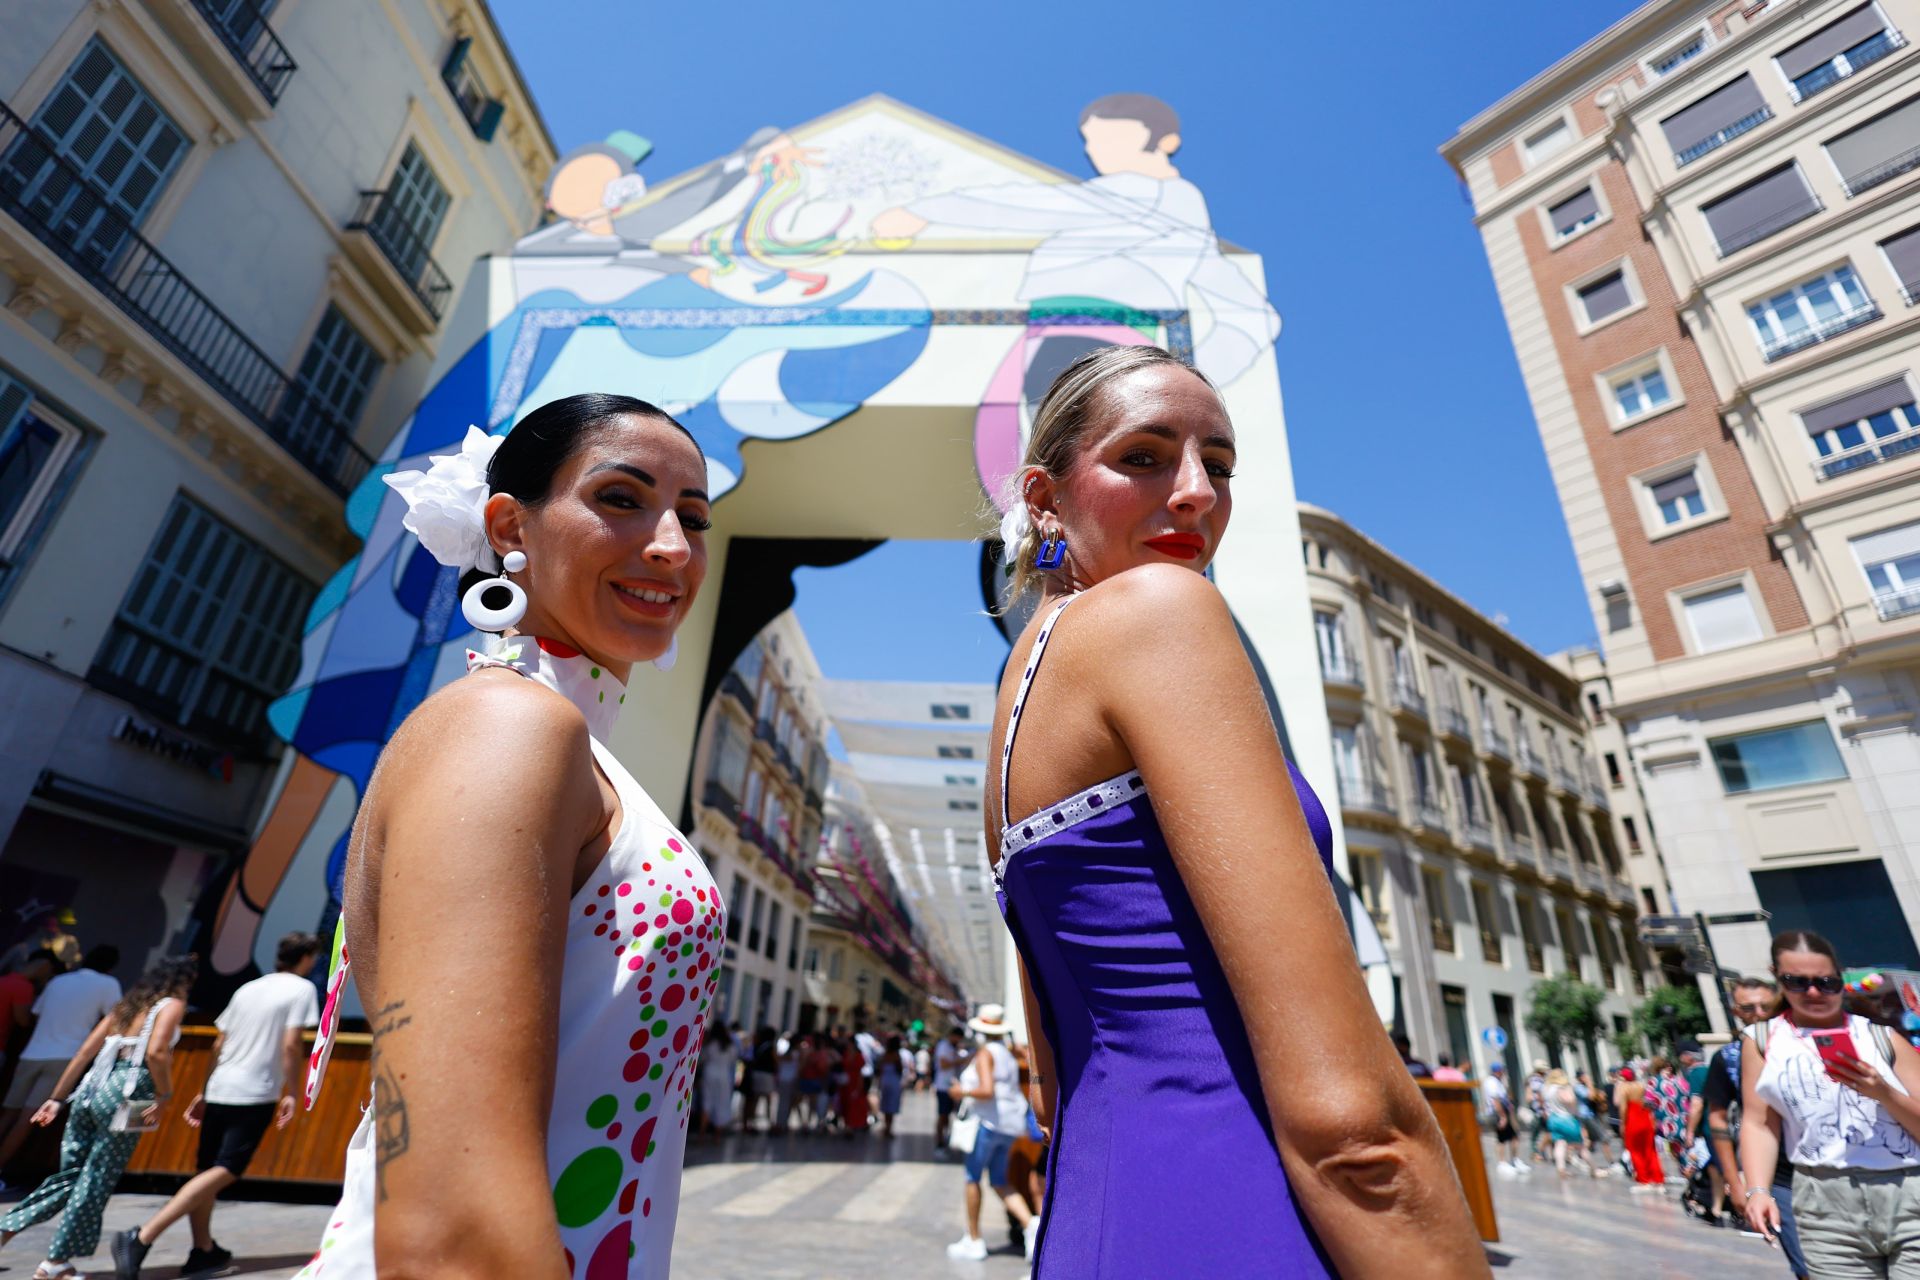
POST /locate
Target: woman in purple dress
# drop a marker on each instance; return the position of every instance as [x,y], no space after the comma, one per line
[1222,1098]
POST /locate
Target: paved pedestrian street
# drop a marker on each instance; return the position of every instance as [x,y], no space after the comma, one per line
[810,1207]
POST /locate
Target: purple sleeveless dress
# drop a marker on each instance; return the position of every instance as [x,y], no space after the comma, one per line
[1163,1161]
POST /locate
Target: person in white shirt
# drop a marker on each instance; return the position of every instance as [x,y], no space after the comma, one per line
[257,1061]
[991,1086]
[949,1055]
[69,1007]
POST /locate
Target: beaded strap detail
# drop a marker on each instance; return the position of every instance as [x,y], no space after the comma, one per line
[1070,812]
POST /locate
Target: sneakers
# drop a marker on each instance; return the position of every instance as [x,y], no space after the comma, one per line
[968,1249]
[206,1261]
[1030,1236]
[1522,1168]
[1502,1169]
[128,1254]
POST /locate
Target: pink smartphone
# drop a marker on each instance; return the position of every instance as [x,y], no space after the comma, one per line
[1833,1042]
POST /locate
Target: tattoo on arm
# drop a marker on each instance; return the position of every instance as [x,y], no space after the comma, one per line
[389,1102]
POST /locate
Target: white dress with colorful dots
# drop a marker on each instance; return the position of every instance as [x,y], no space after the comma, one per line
[637,979]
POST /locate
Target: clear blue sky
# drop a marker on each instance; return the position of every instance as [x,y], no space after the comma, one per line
[1312,131]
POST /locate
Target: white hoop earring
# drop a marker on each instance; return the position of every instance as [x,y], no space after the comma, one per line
[497,604]
[666,660]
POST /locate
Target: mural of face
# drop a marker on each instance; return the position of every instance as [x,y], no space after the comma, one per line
[578,192]
[627,515]
[1120,146]
[1150,485]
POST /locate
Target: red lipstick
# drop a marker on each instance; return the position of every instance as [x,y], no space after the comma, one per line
[1181,546]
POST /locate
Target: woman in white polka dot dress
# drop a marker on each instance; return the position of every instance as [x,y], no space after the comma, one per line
[534,942]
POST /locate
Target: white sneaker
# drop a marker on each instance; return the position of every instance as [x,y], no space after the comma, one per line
[1032,1234]
[968,1249]
[1646,1188]
[1504,1170]
[1522,1168]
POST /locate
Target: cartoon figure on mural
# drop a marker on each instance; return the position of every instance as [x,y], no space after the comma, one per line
[740,298]
[1131,247]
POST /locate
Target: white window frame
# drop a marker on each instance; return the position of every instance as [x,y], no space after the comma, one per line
[41,491]
[1830,277]
[1577,309]
[1659,359]
[1656,524]
[1794,95]
[1908,421]
[1703,33]
[1562,122]
[1898,585]
[1603,214]
[1678,597]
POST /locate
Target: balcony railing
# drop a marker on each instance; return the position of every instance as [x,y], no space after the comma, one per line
[1897,604]
[721,801]
[1531,761]
[1536,958]
[381,217]
[1430,815]
[245,32]
[1494,742]
[763,731]
[1342,670]
[1568,780]
[1364,793]
[1777,221]
[1441,931]
[1453,721]
[1886,171]
[1832,327]
[1557,863]
[1521,847]
[1858,58]
[786,761]
[1715,141]
[1407,697]
[732,686]
[1478,835]
[1490,947]
[65,212]
[1871,453]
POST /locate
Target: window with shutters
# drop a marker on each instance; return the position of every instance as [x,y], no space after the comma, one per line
[1810,312]
[1370,886]
[479,108]
[1547,142]
[1863,428]
[1880,150]
[1709,123]
[105,123]
[331,389]
[1603,296]
[1569,217]
[1766,206]
[1433,885]
[1903,257]
[1721,617]
[1678,495]
[209,633]
[409,215]
[1849,44]
[1890,559]
[35,448]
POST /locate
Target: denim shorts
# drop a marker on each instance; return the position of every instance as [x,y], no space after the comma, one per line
[989,1156]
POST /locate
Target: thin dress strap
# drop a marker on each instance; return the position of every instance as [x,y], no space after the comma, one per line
[1020,701]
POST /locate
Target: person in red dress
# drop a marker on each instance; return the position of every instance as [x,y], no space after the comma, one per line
[853,1095]
[1637,1130]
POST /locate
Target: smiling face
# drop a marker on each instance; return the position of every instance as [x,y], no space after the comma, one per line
[1150,481]
[617,552]
[1814,1007]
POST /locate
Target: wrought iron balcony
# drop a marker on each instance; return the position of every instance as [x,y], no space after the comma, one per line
[1886,171]
[63,210]
[717,798]
[1856,59]
[244,30]
[1536,958]
[1441,931]
[1478,835]
[1568,780]
[1364,793]
[1715,141]
[1493,742]
[1521,848]
[1777,221]
[1408,698]
[1557,863]
[1871,453]
[732,686]
[1897,604]
[1833,326]
[785,759]
[1430,815]
[1340,669]
[384,221]
[1531,761]
[1454,723]
[763,731]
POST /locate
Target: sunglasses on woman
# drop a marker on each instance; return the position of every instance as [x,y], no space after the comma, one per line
[1800,984]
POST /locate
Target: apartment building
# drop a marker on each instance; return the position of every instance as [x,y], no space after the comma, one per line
[1481,836]
[1704,226]
[759,784]
[230,233]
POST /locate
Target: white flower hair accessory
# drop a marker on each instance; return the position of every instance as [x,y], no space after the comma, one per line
[446,503]
[623,190]
[1015,525]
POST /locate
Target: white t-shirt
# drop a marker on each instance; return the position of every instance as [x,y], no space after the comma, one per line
[1825,1124]
[945,1059]
[255,1023]
[1006,1111]
[68,1008]
[1494,1091]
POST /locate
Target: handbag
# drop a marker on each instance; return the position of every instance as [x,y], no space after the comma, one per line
[130,1115]
[965,1129]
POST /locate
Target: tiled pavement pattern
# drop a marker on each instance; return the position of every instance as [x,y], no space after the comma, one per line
[820,1208]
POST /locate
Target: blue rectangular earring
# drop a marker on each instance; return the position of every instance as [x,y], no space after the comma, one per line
[1052,554]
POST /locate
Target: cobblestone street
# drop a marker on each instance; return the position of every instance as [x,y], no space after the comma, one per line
[804,1208]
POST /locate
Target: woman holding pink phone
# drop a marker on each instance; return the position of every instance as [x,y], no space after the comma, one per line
[1836,1094]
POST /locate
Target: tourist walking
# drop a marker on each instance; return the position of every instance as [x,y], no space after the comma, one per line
[511,891]
[949,1056]
[1755,998]
[990,1087]
[786,1079]
[257,1067]
[1189,942]
[816,1066]
[111,1091]
[892,1077]
[19,989]
[69,1007]
[762,1077]
[1536,1110]
[1499,1108]
[1638,1133]
[854,1107]
[1563,1119]
[1593,1125]
[719,1065]
[1837,1094]
[1666,1098]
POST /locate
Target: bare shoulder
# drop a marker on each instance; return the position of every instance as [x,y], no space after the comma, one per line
[489,719]
[1154,611]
